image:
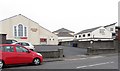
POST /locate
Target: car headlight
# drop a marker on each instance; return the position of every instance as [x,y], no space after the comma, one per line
[39,54]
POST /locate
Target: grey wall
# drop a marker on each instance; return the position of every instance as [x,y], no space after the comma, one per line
[95,44]
[2,38]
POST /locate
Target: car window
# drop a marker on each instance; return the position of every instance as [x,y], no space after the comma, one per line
[1,48]
[13,41]
[18,43]
[21,49]
[8,41]
[8,48]
[24,44]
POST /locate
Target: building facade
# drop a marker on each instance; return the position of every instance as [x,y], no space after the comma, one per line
[21,28]
[64,35]
[107,32]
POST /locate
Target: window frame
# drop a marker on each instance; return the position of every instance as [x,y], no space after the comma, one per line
[16,31]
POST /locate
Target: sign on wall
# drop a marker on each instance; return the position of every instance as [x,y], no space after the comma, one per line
[34,29]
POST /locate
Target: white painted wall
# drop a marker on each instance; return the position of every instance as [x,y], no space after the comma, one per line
[97,33]
[112,26]
[65,38]
[33,37]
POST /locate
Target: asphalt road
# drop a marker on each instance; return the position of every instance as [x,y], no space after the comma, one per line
[93,62]
[67,51]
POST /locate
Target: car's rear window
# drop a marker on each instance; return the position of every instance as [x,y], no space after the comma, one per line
[7,48]
[1,48]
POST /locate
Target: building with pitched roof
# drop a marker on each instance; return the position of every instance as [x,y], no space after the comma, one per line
[64,34]
[21,28]
[98,33]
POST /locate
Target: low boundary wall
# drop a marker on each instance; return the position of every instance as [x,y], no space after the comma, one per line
[52,53]
[92,51]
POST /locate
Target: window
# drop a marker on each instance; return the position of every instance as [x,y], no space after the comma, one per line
[75,36]
[83,35]
[111,29]
[1,48]
[43,40]
[8,48]
[20,31]
[88,34]
[102,31]
[79,35]
[21,49]
[15,31]
[25,44]
[25,31]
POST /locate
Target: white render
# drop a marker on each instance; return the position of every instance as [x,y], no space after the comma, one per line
[34,30]
[109,28]
[62,39]
[95,35]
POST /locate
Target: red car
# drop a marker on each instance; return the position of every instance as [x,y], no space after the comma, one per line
[17,54]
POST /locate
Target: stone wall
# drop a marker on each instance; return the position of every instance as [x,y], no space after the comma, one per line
[52,53]
[95,44]
[96,47]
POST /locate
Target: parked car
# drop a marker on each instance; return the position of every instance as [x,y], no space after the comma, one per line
[17,54]
[26,44]
[10,41]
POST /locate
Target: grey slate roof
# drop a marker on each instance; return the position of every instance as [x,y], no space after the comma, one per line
[110,25]
[63,30]
[64,34]
[88,30]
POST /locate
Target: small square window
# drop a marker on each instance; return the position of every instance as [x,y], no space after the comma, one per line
[79,35]
[111,29]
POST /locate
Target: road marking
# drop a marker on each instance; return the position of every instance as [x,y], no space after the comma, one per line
[75,59]
[93,65]
[96,57]
[83,58]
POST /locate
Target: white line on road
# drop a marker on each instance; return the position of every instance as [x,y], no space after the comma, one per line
[83,58]
[75,59]
[96,57]
[93,65]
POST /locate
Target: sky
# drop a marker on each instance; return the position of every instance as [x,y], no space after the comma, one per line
[74,15]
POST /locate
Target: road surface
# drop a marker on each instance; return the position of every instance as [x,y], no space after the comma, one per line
[91,62]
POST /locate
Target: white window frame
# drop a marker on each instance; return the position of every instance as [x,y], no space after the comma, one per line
[23,30]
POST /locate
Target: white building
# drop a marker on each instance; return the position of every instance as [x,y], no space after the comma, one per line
[112,28]
[97,33]
[64,35]
[21,28]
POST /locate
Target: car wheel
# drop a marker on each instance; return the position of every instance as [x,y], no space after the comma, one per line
[36,61]
[1,64]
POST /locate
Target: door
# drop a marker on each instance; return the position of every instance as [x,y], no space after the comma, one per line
[23,55]
[9,55]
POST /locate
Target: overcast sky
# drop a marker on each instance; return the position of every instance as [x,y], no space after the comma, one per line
[75,15]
